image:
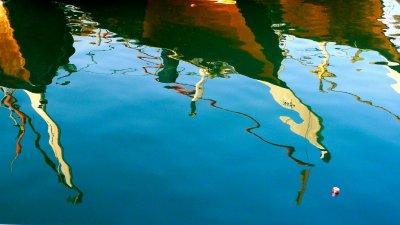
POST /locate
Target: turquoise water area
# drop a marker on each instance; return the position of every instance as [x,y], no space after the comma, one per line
[208,112]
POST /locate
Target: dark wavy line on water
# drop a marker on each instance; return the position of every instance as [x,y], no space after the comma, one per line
[290,149]
[61,178]
[79,195]
[358,98]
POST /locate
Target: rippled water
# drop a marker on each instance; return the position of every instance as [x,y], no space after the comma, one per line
[201,112]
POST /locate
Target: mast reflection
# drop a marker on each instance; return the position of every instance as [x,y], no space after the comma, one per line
[220,24]
[22,68]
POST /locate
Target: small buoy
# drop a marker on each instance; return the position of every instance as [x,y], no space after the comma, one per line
[335,191]
[192,5]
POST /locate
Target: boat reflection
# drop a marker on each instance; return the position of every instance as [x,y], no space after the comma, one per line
[217,37]
[352,23]
[249,37]
[220,25]
[224,32]
[22,68]
[344,27]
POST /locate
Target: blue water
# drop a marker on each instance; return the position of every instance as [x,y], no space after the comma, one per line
[140,154]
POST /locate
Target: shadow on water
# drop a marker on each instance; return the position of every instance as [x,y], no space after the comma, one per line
[32,51]
[247,38]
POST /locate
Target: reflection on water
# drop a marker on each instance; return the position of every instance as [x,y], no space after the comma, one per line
[15,74]
[311,126]
[303,178]
[12,62]
[333,20]
[325,76]
[189,49]
[166,65]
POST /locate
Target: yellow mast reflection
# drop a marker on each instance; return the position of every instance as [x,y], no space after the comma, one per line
[199,90]
[54,133]
[373,26]
[310,127]
[322,69]
[322,73]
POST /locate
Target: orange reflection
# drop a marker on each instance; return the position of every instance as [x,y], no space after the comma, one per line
[310,17]
[223,20]
[354,23]
[11,61]
[10,102]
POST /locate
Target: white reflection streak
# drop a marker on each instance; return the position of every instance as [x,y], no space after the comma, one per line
[311,125]
[199,85]
[391,13]
[54,134]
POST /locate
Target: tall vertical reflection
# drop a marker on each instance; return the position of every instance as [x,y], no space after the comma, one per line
[23,68]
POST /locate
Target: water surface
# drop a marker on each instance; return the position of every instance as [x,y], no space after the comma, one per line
[202,112]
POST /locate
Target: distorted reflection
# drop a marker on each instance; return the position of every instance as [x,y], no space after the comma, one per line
[262,60]
[322,69]
[14,74]
[304,175]
[370,33]
[169,71]
[10,102]
[219,38]
[323,75]
[367,33]
[311,126]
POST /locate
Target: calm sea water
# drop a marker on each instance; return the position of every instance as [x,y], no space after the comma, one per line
[201,112]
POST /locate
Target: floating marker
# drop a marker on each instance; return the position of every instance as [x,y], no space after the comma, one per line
[335,191]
